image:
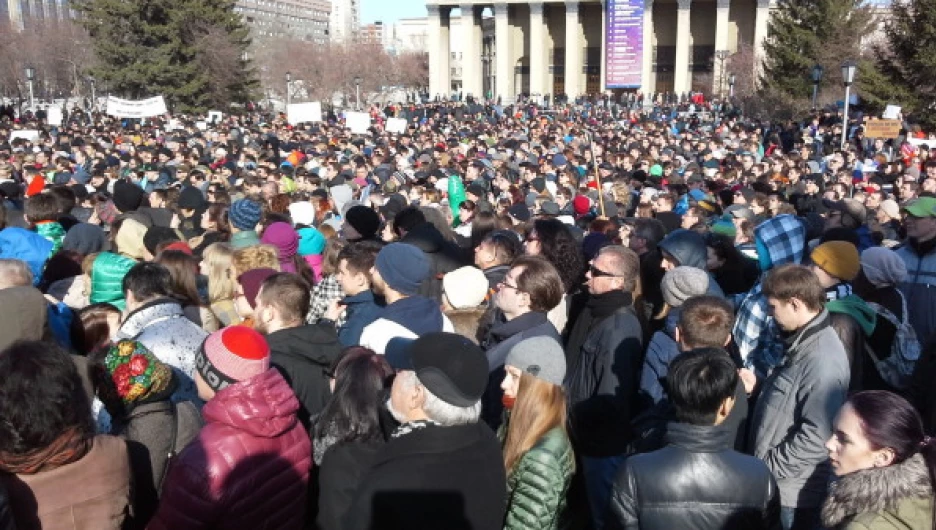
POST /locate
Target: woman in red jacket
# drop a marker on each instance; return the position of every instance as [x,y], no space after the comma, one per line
[249,466]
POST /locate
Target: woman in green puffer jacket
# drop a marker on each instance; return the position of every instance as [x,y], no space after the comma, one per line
[537,452]
[107,274]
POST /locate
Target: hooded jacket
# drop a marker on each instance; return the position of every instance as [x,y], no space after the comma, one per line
[697,482]
[302,354]
[779,240]
[899,496]
[107,274]
[444,257]
[28,246]
[793,415]
[688,247]
[406,318]
[249,466]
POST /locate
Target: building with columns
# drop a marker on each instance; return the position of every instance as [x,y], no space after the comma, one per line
[579,47]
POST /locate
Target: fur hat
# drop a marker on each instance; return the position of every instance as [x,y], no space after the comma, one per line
[465,287]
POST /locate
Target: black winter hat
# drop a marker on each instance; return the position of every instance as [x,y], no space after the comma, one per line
[127,196]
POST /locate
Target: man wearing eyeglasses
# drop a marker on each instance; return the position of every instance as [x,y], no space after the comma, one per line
[604,351]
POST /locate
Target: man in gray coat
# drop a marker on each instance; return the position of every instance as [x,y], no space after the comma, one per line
[799,399]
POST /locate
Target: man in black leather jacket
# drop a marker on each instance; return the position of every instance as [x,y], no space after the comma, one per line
[698,481]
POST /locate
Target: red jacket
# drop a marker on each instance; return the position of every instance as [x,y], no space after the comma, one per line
[249,466]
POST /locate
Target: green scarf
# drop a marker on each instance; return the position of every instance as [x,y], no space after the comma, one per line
[853,305]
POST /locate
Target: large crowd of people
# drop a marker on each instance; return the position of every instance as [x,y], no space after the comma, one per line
[586,316]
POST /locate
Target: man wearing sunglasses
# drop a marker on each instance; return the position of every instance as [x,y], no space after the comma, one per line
[604,350]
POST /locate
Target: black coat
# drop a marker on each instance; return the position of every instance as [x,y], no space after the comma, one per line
[435,478]
[339,477]
[697,482]
[302,354]
[444,257]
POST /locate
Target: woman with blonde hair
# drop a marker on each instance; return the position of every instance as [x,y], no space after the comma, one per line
[254,257]
[216,265]
[537,451]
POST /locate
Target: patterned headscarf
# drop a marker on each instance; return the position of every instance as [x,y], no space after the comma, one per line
[137,374]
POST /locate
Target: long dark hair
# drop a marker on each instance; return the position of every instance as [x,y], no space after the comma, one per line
[41,398]
[889,420]
[218,213]
[561,249]
[352,413]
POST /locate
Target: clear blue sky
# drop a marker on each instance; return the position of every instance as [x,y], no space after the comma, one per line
[388,11]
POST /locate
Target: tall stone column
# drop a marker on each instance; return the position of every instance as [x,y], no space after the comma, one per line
[503,73]
[573,50]
[537,49]
[721,44]
[760,34]
[647,78]
[471,57]
[681,79]
[435,51]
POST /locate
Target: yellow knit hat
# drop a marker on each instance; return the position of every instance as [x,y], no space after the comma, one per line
[838,258]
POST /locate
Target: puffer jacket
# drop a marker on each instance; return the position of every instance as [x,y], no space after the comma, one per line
[895,497]
[28,246]
[161,326]
[107,276]
[696,482]
[538,485]
[249,466]
[444,257]
[53,233]
[793,415]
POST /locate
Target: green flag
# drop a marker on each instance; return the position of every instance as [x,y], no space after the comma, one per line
[456,196]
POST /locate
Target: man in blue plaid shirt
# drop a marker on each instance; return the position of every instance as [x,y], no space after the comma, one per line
[779,240]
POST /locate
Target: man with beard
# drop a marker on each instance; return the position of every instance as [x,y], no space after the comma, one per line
[397,274]
[301,352]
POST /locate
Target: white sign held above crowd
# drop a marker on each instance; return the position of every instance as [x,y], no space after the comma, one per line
[54,116]
[396,125]
[298,113]
[143,108]
[358,122]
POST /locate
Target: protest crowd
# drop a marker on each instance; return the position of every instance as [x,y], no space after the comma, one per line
[586,315]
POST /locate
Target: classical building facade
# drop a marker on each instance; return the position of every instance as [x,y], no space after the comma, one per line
[578,47]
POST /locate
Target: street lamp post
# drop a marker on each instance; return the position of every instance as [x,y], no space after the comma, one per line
[816,79]
[30,77]
[357,97]
[848,77]
[722,56]
[288,88]
[93,95]
[731,81]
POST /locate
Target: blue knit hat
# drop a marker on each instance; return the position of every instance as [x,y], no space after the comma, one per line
[403,267]
[245,214]
[311,242]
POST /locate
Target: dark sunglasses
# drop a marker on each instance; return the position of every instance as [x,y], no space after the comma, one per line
[597,273]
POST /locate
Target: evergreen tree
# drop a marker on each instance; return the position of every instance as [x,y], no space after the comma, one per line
[171,48]
[904,70]
[803,33]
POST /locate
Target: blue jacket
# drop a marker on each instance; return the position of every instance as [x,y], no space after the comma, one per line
[28,246]
[660,353]
[360,310]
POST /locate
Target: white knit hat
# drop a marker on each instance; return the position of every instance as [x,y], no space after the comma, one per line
[465,287]
[302,213]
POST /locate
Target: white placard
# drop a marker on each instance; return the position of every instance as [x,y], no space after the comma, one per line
[396,125]
[143,108]
[929,142]
[891,112]
[54,116]
[201,125]
[214,116]
[175,124]
[298,113]
[28,134]
[358,122]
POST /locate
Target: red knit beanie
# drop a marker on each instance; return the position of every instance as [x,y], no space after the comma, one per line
[36,186]
[581,204]
[232,354]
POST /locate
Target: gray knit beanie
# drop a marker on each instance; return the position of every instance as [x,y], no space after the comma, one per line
[682,283]
[540,357]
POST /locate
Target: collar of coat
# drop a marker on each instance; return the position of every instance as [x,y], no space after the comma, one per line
[875,490]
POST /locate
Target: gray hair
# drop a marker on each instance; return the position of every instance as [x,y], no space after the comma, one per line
[437,410]
[14,273]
